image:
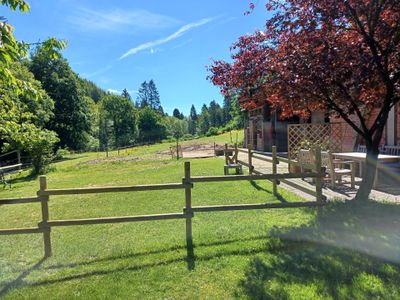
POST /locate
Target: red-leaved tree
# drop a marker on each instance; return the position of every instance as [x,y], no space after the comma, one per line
[337,55]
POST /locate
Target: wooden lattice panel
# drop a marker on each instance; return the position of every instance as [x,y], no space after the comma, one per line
[327,135]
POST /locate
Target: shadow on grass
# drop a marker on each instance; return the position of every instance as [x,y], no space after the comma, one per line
[349,252]
[189,259]
[260,188]
[19,281]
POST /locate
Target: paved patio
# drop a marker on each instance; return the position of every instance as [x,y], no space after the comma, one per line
[340,192]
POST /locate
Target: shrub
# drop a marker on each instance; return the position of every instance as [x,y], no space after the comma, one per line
[61,154]
[212,131]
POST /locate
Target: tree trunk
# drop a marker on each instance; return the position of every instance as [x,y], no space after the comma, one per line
[369,171]
[372,143]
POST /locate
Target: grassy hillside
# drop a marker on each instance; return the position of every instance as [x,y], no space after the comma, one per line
[344,253]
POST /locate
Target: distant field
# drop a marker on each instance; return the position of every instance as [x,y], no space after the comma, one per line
[278,254]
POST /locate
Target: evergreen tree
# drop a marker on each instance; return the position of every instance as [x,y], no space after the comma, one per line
[148,96]
[215,114]
[125,94]
[193,120]
[91,90]
[177,114]
[226,109]
[154,97]
[143,97]
[203,121]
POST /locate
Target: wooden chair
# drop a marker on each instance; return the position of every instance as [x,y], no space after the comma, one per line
[362,148]
[232,162]
[391,150]
[305,157]
[335,168]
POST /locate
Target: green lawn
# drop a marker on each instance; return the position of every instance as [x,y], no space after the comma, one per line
[347,252]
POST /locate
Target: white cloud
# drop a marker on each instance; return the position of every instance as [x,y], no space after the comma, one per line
[113,91]
[181,31]
[118,92]
[117,19]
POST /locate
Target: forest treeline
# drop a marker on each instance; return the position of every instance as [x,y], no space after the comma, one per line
[65,111]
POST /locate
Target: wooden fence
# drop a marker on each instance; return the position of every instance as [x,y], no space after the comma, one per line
[187,184]
[274,160]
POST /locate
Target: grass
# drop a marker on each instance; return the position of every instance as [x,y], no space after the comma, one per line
[346,252]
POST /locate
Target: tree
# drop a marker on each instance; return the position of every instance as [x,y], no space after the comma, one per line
[341,56]
[226,110]
[117,121]
[24,106]
[203,123]
[177,114]
[193,120]
[215,114]
[90,89]
[154,97]
[151,128]
[23,117]
[143,97]
[72,119]
[125,94]
[148,96]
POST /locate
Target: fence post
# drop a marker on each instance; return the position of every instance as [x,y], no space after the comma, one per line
[177,149]
[188,205]
[226,154]
[45,216]
[250,154]
[215,154]
[19,159]
[236,153]
[318,180]
[274,171]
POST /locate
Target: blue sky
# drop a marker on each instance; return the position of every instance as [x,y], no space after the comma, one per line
[120,44]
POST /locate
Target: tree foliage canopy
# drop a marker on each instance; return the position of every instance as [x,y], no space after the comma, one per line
[342,56]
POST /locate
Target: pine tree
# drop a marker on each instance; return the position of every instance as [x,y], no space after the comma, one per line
[143,97]
[203,121]
[177,114]
[125,94]
[154,97]
[193,120]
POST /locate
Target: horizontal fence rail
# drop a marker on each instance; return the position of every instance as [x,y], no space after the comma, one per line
[187,184]
[115,189]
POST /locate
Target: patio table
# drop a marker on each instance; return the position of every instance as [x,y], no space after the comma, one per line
[361,157]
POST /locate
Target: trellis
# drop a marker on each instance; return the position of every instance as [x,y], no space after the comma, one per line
[328,136]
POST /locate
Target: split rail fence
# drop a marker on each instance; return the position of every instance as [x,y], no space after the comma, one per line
[187,184]
[274,160]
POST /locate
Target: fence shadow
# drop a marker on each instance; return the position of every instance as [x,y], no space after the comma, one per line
[19,281]
[336,256]
[190,260]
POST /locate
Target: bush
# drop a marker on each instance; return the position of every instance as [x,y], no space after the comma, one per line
[61,154]
[40,149]
[212,131]
[187,137]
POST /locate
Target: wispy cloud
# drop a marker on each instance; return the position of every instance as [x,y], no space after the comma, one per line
[117,19]
[118,92]
[181,31]
[113,91]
